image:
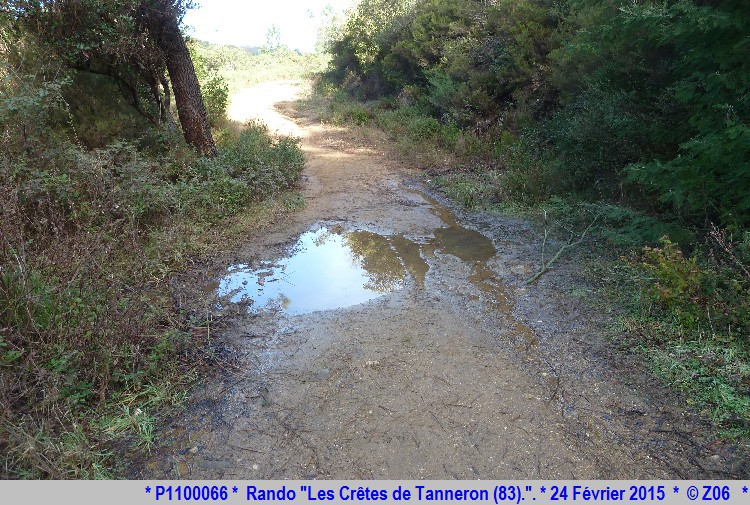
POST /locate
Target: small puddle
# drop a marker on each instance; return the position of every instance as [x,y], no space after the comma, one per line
[326,269]
[330,268]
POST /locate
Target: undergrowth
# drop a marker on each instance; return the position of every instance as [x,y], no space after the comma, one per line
[689,315]
[92,348]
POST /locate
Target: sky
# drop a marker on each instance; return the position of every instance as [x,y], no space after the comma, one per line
[246,22]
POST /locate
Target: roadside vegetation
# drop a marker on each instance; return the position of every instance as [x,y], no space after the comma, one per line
[102,201]
[635,114]
[241,67]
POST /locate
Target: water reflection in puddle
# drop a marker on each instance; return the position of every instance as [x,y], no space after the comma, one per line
[332,268]
[326,270]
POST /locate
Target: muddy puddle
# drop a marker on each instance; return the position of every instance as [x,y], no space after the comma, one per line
[327,269]
[331,266]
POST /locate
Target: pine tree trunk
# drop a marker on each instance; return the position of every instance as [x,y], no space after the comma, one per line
[161,16]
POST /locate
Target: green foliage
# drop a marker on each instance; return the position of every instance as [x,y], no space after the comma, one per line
[471,189]
[709,178]
[28,108]
[371,24]
[98,113]
[361,57]
[104,38]
[214,87]
[531,173]
[691,317]
[343,110]
[713,375]
[628,228]
[682,121]
[674,282]
[92,224]
[241,67]
[595,137]
[471,58]
[252,167]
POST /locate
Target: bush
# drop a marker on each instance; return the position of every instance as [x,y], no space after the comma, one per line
[691,318]
[472,189]
[699,295]
[596,136]
[249,168]
[674,283]
[214,87]
[90,347]
[352,112]
[215,93]
[531,173]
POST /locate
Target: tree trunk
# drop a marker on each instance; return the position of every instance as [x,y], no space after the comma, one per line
[162,21]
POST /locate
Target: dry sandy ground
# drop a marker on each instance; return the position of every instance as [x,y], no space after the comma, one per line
[462,373]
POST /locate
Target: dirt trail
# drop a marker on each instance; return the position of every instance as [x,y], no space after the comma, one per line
[454,371]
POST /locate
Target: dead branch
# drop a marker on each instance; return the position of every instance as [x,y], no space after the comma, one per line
[546,266]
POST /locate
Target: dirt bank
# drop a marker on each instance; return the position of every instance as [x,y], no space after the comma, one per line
[452,369]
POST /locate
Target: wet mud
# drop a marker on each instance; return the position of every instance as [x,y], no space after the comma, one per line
[381,333]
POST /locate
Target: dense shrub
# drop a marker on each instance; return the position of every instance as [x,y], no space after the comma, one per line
[693,317]
[252,167]
[678,72]
[90,346]
[596,137]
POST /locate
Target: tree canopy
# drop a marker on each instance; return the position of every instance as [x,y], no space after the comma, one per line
[631,99]
[136,43]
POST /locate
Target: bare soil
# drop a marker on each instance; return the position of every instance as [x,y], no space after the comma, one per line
[464,374]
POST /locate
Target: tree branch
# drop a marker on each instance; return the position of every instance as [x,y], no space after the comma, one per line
[546,266]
